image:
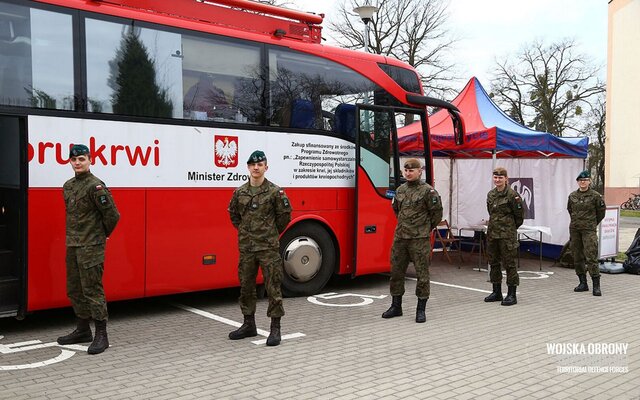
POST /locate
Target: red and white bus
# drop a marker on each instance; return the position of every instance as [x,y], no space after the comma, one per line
[171,101]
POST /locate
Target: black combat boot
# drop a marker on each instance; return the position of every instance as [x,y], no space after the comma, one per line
[274,335]
[420,315]
[396,308]
[596,286]
[101,341]
[248,329]
[82,333]
[511,297]
[496,295]
[582,287]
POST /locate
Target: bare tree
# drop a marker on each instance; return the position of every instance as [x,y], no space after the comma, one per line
[279,3]
[413,31]
[547,87]
[596,132]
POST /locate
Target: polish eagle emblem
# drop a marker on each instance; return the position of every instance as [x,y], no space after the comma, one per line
[226,151]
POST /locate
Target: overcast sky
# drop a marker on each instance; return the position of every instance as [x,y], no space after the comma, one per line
[496,28]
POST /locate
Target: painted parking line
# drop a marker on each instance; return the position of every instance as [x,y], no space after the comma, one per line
[535,275]
[233,323]
[284,337]
[454,286]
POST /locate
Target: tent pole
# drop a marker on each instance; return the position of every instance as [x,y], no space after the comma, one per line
[451,193]
[494,160]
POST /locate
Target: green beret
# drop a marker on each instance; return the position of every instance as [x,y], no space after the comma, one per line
[78,150]
[412,163]
[256,157]
[584,175]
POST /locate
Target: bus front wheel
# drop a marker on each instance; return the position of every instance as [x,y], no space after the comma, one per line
[309,257]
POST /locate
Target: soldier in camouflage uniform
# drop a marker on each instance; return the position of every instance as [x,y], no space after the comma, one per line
[91,218]
[586,209]
[260,210]
[506,214]
[419,209]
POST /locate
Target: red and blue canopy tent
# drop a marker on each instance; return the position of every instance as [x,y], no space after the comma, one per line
[488,130]
[542,167]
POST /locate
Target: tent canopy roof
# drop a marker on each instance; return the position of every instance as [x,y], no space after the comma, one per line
[488,129]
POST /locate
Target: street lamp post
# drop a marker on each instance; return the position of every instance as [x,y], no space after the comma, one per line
[366,13]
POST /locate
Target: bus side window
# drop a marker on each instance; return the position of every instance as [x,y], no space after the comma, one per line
[15,68]
[282,115]
[204,99]
[345,121]
[302,114]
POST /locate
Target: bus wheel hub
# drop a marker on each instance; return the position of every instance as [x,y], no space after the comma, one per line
[302,259]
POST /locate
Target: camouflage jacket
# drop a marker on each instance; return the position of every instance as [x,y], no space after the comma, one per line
[418,208]
[506,213]
[586,209]
[259,216]
[91,212]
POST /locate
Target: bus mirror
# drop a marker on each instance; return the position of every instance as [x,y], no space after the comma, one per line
[456,118]
[428,101]
[458,127]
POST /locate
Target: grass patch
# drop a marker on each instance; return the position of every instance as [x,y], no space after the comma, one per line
[630,213]
[621,257]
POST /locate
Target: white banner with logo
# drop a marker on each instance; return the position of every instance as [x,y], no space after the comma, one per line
[543,184]
[126,154]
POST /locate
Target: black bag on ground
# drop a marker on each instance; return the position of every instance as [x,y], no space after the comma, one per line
[632,263]
[566,257]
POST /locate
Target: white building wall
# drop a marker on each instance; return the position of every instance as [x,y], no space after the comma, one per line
[622,169]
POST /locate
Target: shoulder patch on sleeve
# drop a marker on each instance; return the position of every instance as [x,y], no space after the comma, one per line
[284,198]
[518,202]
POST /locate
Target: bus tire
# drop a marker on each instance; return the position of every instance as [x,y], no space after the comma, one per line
[309,258]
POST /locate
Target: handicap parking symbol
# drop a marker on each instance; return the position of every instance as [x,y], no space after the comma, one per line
[364,299]
[66,352]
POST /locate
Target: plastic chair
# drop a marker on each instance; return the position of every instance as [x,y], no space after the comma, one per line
[447,240]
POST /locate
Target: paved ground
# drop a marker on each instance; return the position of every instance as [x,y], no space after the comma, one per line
[468,349]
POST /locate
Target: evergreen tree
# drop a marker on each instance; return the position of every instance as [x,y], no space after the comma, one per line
[136,91]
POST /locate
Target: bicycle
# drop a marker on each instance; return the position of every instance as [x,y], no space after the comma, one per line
[633,203]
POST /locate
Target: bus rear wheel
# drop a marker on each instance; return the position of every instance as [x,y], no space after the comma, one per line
[309,257]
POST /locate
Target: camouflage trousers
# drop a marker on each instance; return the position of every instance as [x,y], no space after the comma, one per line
[85,266]
[271,264]
[584,246]
[503,253]
[404,251]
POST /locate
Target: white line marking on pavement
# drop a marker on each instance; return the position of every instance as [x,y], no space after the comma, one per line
[64,354]
[284,337]
[456,286]
[227,321]
[366,299]
[537,274]
[34,345]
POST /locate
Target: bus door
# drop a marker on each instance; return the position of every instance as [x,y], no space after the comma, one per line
[377,176]
[13,199]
